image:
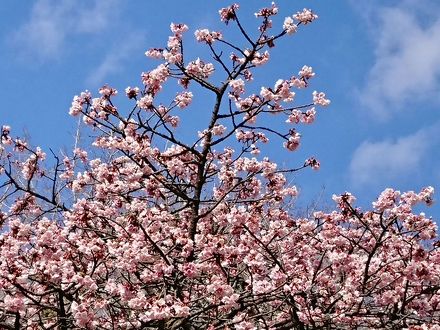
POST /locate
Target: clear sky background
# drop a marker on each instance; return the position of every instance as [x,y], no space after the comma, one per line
[378,61]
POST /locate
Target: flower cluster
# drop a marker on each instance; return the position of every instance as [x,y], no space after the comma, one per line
[267,11]
[182,100]
[313,163]
[145,102]
[305,16]
[319,99]
[178,29]
[78,102]
[289,25]
[237,88]
[132,92]
[107,91]
[200,69]
[155,78]
[5,137]
[297,116]
[228,13]
[293,141]
[173,52]
[149,229]
[207,36]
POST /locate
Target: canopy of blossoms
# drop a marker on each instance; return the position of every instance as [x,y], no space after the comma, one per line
[145,230]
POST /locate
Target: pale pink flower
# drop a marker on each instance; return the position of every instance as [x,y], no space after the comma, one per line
[145,102]
[309,116]
[156,77]
[99,104]
[183,99]
[173,120]
[207,36]
[172,57]
[68,169]
[254,150]
[306,72]
[267,94]
[298,83]
[107,91]
[132,92]
[200,69]
[247,74]
[228,13]
[78,102]
[178,29]
[77,106]
[156,53]
[289,26]
[237,86]
[6,130]
[81,154]
[259,59]
[306,16]
[173,42]
[344,198]
[14,304]
[267,11]
[20,145]
[313,163]
[319,99]
[426,195]
[218,129]
[282,89]
[293,142]
[295,117]
[41,155]
[162,110]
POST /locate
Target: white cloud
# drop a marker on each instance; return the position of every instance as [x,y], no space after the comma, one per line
[115,58]
[52,22]
[407,58]
[390,160]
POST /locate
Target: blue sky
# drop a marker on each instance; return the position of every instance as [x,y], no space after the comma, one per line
[379,62]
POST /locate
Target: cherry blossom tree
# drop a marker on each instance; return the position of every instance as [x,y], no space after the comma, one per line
[145,230]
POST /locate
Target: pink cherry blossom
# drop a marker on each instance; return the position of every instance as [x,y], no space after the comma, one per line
[146,225]
[132,92]
[268,11]
[228,13]
[293,141]
[145,102]
[218,130]
[156,53]
[178,29]
[200,69]
[305,16]
[313,163]
[107,91]
[309,116]
[306,72]
[319,99]
[289,26]
[78,102]
[257,58]
[207,36]
[183,99]
[237,87]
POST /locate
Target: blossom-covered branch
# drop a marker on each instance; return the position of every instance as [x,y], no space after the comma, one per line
[146,229]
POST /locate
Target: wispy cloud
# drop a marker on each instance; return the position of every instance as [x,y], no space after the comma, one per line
[113,61]
[407,57]
[390,160]
[52,22]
